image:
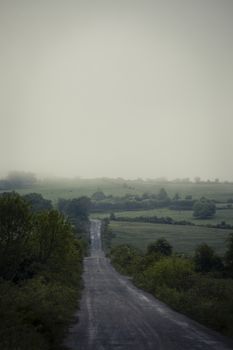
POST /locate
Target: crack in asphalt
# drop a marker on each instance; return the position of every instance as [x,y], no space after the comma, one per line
[114,314]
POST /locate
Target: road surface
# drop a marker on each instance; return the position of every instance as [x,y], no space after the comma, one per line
[114,314]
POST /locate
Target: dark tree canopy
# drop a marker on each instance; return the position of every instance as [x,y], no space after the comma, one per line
[40,275]
[161,246]
[229,255]
[176,197]
[15,229]
[204,209]
[98,196]
[163,196]
[37,202]
[206,260]
[52,237]
[78,210]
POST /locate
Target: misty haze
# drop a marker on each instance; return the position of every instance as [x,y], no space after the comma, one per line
[127,88]
[116,177]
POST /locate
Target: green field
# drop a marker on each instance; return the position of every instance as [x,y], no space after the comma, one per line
[118,187]
[184,239]
[221,215]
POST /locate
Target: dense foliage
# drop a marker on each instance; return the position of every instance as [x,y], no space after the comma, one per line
[100,202]
[204,209]
[229,256]
[40,270]
[37,202]
[77,210]
[206,260]
[200,287]
[161,246]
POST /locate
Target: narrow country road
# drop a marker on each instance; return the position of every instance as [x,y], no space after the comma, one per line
[115,314]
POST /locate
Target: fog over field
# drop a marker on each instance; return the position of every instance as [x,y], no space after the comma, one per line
[117,88]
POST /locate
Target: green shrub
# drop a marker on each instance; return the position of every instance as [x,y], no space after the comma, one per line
[170,272]
[206,260]
[126,259]
[161,246]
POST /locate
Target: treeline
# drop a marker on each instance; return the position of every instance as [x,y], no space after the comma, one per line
[76,210]
[100,202]
[18,179]
[167,221]
[40,274]
[151,219]
[200,287]
[202,208]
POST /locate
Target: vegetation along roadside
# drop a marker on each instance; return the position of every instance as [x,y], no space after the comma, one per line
[200,286]
[41,255]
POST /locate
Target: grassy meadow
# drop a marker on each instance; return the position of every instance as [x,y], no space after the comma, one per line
[67,188]
[184,239]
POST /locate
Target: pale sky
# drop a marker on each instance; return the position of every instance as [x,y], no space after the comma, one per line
[117,88]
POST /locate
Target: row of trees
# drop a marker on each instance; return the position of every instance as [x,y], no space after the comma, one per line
[100,202]
[202,209]
[40,274]
[151,219]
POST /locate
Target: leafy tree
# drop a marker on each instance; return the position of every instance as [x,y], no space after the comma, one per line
[206,260]
[15,231]
[161,246]
[176,197]
[112,216]
[229,255]
[163,196]
[40,270]
[52,236]
[77,210]
[77,207]
[204,209]
[98,196]
[37,202]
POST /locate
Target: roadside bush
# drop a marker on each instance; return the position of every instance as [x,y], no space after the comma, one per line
[209,301]
[170,272]
[229,256]
[126,259]
[206,260]
[175,281]
[160,246]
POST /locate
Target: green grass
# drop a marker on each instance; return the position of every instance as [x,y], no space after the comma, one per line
[221,215]
[78,187]
[184,239]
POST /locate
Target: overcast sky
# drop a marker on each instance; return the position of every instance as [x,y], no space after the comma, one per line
[117,88]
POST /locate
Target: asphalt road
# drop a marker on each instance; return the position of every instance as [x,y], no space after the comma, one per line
[114,314]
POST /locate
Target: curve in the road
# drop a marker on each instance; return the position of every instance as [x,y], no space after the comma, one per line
[114,314]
